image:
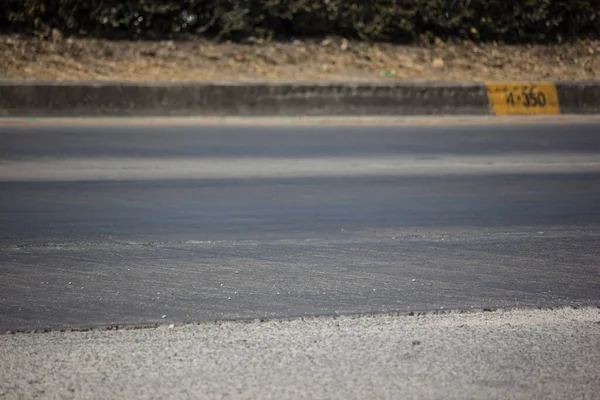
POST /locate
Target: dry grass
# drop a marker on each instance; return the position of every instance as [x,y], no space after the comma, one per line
[332,60]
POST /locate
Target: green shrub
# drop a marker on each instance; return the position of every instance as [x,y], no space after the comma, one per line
[380,20]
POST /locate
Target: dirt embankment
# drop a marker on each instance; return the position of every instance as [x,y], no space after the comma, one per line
[335,59]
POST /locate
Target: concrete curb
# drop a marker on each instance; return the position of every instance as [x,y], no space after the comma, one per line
[579,97]
[90,99]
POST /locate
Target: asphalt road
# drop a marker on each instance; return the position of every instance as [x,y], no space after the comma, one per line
[133,224]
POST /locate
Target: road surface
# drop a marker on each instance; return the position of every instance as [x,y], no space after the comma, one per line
[108,224]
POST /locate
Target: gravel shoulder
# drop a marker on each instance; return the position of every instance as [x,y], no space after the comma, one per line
[57,58]
[550,354]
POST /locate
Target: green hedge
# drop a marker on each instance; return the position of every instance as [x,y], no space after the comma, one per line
[381,20]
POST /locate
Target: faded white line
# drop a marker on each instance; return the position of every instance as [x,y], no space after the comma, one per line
[260,168]
[422,120]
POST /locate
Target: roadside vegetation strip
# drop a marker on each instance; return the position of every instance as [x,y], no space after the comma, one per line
[305,40]
[376,20]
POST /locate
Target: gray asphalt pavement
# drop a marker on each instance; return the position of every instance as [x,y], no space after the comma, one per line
[142,224]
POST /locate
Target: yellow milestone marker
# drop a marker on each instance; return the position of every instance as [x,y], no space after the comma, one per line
[512,98]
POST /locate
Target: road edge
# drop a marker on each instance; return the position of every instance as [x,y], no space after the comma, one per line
[268,99]
[166,323]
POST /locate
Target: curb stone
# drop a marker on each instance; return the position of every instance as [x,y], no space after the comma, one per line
[125,99]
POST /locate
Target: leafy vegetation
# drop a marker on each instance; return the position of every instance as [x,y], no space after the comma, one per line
[510,21]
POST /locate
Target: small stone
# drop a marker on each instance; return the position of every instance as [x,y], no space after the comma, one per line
[164,316]
[414,280]
[438,63]
[325,68]
[56,35]
[326,43]
[344,45]
[171,326]
[70,283]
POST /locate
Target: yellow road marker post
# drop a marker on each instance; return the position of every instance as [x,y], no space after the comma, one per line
[533,98]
